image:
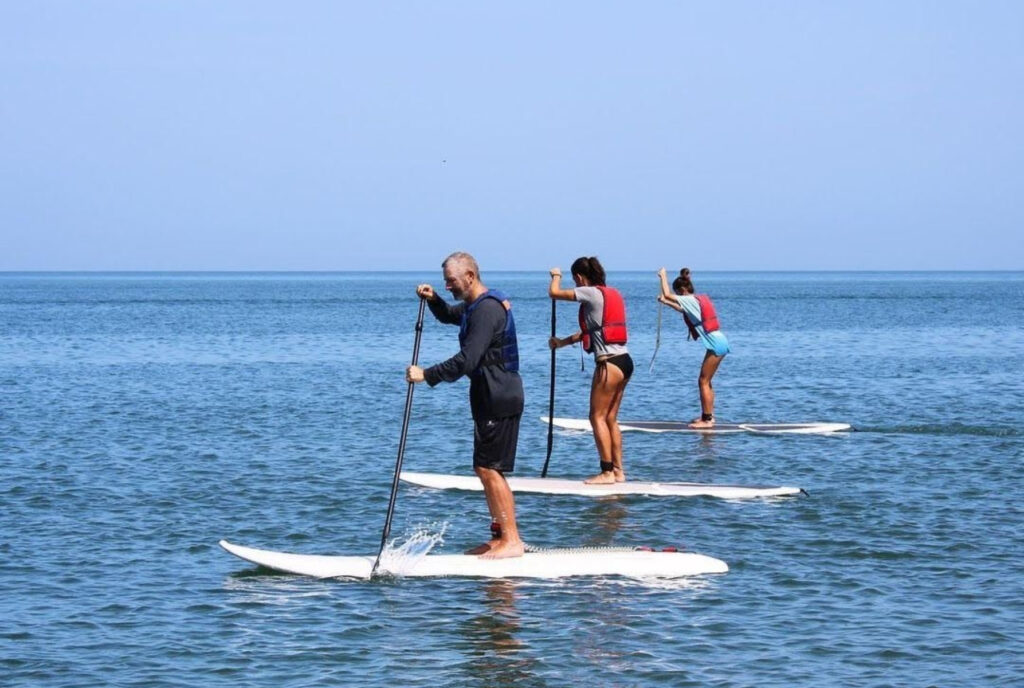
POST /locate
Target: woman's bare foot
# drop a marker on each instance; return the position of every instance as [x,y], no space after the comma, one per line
[620,475]
[605,478]
[698,423]
[483,548]
[505,550]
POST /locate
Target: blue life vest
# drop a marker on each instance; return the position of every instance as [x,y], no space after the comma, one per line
[509,356]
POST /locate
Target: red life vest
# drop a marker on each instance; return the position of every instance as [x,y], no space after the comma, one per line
[613,319]
[708,317]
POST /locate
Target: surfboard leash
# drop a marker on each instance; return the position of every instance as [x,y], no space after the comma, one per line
[594,549]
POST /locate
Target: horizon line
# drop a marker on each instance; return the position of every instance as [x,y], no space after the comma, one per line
[519,270]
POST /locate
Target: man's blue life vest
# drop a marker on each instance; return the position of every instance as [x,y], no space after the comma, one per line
[509,356]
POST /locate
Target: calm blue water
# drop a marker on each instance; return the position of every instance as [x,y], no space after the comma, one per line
[145,416]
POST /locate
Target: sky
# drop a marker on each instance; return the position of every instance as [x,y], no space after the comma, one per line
[247,135]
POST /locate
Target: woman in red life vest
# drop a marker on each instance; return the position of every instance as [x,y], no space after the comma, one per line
[700,317]
[602,318]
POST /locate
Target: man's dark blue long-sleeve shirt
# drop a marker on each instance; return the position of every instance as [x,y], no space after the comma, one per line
[493,391]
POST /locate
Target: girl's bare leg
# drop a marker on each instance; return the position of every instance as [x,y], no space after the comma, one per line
[707,391]
[607,381]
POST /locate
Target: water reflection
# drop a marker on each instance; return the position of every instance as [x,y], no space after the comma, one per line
[605,518]
[601,641]
[707,445]
[496,656]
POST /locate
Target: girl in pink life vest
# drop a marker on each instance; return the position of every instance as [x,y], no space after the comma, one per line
[602,318]
[702,321]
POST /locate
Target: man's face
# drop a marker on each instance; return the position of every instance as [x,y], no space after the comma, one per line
[457,280]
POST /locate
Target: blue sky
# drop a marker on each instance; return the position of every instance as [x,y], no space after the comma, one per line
[340,136]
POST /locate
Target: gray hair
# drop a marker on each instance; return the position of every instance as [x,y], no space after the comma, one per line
[463,260]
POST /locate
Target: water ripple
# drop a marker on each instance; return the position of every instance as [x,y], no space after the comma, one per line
[143,419]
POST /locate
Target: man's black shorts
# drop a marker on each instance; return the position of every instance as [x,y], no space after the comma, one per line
[494,443]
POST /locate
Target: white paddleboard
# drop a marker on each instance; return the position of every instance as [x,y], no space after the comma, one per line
[555,563]
[716,429]
[556,486]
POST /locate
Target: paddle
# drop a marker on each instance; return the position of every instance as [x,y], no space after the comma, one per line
[551,398]
[657,339]
[401,442]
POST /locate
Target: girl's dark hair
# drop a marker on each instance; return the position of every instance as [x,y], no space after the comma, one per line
[589,268]
[682,284]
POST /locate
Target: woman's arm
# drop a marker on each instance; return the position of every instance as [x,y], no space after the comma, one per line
[556,343]
[670,301]
[665,291]
[555,290]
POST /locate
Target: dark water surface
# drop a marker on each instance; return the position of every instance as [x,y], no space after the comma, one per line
[145,416]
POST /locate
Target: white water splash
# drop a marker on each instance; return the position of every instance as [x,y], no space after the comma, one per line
[402,555]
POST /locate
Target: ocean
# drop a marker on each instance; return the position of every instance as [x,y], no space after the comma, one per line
[145,416]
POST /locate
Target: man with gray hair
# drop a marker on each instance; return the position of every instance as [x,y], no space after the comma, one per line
[489,355]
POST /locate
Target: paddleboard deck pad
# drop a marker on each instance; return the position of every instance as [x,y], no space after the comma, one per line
[536,563]
[716,429]
[557,486]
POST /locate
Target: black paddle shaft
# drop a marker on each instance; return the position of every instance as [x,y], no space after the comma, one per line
[551,399]
[401,442]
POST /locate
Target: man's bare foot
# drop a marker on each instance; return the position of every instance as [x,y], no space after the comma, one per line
[605,478]
[698,423]
[505,550]
[483,548]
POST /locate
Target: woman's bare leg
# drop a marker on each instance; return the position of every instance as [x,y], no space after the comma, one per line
[614,430]
[606,382]
[707,391]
